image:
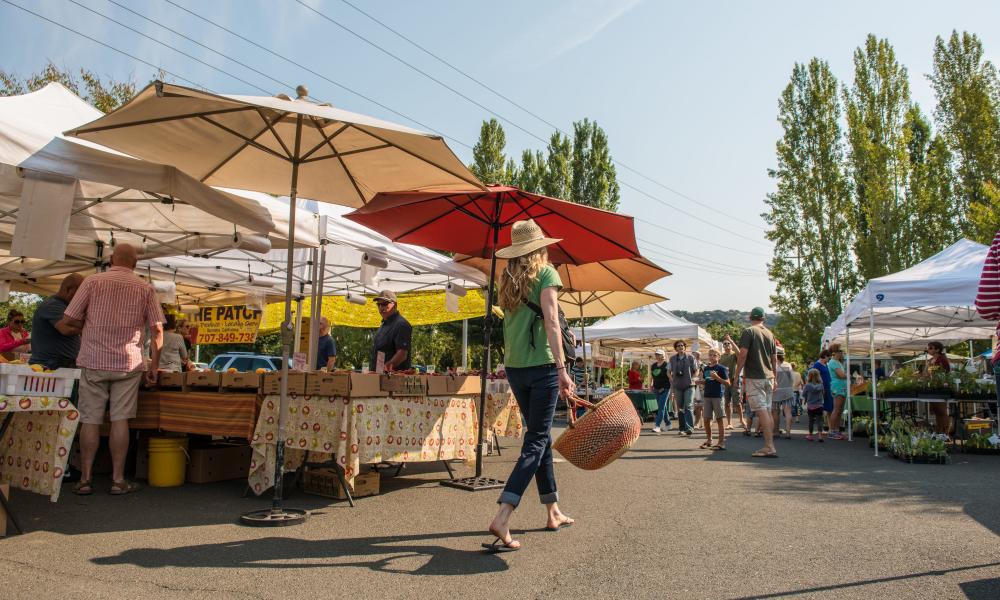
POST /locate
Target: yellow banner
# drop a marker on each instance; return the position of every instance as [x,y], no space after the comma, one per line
[237,324]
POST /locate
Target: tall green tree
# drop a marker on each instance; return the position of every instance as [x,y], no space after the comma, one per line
[876,107]
[595,181]
[967,92]
[558,180]
[489,163]
[809,214]
[533,171]
[934,215]
[105,95]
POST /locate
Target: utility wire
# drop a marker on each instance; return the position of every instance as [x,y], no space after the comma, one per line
[319,75]
[498,94]
[696,259]
[108,46]
[688,235]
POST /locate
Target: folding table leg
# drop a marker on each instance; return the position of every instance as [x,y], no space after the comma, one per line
[3,501]
[451,474]
[343,483]
[496,443]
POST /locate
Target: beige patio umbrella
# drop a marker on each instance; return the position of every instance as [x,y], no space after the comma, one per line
[278,145]
[625,274]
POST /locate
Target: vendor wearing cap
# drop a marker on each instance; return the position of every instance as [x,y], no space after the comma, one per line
[393,337]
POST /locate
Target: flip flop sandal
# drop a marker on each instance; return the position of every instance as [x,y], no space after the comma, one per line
[120,488]
[760,454]
[718,448]
[563,525]
[83,488]
[499,547]
[706,445]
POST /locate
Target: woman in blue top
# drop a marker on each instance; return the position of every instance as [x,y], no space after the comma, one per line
[838,387]
[536,372]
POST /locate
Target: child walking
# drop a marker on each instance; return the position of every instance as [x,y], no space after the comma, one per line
[814,393]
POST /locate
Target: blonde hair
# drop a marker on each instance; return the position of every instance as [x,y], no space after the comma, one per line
[518,278]
[813,376]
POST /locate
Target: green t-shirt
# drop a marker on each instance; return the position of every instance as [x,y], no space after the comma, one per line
[759,344]
[517,328]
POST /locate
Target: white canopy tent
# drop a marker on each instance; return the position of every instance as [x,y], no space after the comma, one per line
[932,300]
[649,326]
[114,197]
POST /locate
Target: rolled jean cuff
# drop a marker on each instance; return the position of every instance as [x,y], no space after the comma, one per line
[549,498]
[509,498]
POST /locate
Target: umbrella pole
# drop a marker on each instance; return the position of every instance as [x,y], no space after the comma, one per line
[477,483]
[586,371]
[278,515]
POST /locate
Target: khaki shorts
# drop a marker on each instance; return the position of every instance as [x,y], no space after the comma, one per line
[759,393]
[712,408]
[97,388]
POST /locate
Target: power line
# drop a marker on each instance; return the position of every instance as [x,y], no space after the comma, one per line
[502,96]
[688,235]
[698,260]
[108,46]
[475,102]
[699,269]
[319,75]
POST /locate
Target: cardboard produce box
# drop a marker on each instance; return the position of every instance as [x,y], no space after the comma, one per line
[271,383]
[202,379]
[241,381]
[324,482]
[404,385]
[319,383]
[464,384]
[219,462]
[437,385]
[170,379]
[366,385]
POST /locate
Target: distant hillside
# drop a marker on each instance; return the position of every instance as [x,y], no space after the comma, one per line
[705,317]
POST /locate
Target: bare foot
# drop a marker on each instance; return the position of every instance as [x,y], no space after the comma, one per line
[502,531]
[558,520]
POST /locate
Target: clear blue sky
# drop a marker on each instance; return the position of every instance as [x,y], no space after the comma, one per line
[687,93]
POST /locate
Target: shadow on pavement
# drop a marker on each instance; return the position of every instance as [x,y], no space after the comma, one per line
[375,553]
[987,586]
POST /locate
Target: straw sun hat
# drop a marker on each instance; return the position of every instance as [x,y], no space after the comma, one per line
[525,237]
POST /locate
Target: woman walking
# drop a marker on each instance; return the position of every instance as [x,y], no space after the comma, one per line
[536,373]
[784,395]
[815,393]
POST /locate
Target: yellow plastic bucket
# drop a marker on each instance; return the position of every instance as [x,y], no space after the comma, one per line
[167,461]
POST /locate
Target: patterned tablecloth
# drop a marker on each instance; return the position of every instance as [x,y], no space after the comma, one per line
[35,448]
[363,430]
[204,413]
[502,411]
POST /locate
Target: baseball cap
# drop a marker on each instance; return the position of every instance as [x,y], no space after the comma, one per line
[780,351]
[660,352]
[386,296]
[757,313]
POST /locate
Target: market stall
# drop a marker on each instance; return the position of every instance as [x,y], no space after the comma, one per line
[647,327]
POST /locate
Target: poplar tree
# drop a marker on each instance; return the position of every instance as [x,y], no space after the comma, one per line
[967,92]
[876,107]
[809,214]
[489,163]
[935,214]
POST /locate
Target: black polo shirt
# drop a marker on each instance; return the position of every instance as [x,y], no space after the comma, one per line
[394,334]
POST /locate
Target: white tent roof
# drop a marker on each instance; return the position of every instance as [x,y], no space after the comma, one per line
[173,213]
[410,268]
[646,327]
[932,300]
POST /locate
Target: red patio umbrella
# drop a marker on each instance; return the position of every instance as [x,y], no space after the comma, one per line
[476,223]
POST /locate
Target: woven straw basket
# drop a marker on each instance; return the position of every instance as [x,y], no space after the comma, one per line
[602,434]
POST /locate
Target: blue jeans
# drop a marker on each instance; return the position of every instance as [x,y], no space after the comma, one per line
[661,407]
[685,403]
[536,390]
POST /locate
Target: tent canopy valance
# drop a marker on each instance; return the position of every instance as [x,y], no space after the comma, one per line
[932,300]
[419,308]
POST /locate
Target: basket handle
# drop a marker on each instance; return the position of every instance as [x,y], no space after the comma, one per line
[572,401]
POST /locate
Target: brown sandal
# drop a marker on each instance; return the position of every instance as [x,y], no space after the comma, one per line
[83,488]
[120,488]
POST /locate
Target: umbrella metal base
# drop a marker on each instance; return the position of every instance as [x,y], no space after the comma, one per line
[474,484]
[274,517]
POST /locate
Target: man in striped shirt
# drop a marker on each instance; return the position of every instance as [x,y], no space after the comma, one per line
[114,309]
[988,299]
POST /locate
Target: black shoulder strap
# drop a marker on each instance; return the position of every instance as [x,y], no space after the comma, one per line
[538,315]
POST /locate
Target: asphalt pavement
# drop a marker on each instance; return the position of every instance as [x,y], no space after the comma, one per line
[667,520]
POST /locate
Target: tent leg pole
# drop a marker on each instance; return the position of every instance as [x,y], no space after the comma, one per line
[477,483]
[465,345]
[850,412]
[871,349]
[313,321]
[278,515]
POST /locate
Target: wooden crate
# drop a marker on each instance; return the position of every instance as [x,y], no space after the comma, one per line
[366,385]
[464,384]
[271,383]
[170,379]
[437,385]
[202,379]
[404,385]
[219,462]
[324,482]
[319,383]
[240,381]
